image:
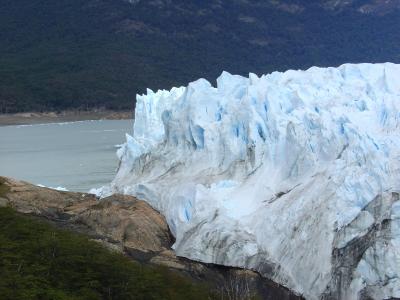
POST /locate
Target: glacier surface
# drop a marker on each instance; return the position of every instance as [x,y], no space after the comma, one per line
[294,174]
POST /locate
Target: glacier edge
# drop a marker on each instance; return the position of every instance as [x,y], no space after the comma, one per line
[294,174]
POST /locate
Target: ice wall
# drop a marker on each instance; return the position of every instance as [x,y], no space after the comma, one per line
[294,174]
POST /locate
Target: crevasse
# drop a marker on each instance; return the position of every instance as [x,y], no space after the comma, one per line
[294,174]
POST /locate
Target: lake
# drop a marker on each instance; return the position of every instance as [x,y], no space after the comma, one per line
[77,155]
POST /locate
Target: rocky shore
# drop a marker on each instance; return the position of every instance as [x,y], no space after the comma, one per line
[64,116]
[128,225]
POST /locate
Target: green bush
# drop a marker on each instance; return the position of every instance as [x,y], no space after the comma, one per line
[3,188]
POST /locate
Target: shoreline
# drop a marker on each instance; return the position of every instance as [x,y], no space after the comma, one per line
[32,118]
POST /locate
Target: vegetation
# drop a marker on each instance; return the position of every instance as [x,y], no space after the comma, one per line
[64,54]
[38,261]
[3,188]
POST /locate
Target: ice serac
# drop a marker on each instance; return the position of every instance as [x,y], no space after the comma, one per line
[294,174]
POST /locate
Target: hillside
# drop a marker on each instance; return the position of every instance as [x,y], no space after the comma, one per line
[40,261]
[52,248]
[63,54]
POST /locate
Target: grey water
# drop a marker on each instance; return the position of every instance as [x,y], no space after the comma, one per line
[77,155]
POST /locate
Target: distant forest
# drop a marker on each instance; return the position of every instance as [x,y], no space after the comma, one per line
[85,54]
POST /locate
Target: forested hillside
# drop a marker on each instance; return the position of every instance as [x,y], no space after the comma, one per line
[86,54]
[39,261]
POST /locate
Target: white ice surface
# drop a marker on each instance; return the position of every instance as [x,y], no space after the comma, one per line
[58,188]
[262,172]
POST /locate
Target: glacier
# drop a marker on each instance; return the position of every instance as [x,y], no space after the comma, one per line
[295,175]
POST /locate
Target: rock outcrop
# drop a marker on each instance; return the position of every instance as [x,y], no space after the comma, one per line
[126,224]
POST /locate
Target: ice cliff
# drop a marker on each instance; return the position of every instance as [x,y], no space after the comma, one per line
[294,174]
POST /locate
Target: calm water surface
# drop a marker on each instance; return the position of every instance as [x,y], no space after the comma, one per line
[77,156]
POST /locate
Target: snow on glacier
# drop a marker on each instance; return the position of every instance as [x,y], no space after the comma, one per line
[278,173]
